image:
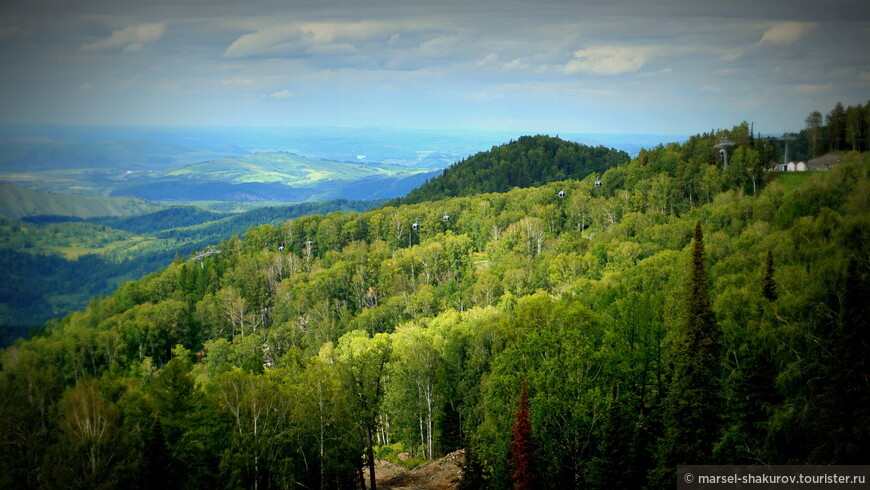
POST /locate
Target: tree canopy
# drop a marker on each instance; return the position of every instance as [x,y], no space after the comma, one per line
[365,337]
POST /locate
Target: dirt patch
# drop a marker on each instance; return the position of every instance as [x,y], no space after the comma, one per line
[440,474]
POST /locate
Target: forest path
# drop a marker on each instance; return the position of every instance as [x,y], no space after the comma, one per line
[440,474]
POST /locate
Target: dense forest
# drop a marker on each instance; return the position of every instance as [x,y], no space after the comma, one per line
[100,253]
[677,314]
[527,162]
[841,129]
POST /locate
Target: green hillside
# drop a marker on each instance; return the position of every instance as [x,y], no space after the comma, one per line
[530,161]
[237,224]
[54,268]
[676,314]
[17,202]
[163,219]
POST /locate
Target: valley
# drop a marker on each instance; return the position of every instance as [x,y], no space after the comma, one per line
[107,205]
[619,313]
[475,245]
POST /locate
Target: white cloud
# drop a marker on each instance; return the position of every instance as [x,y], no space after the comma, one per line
[283,94]
[490,58]
[273,41]
[129,39]
[394,39]
[785,32]
[606,60]
[514,64]
[438,47]
[299,39]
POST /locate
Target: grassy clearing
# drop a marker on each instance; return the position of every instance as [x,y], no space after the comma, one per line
[792,180]
[480,260]
[73,253]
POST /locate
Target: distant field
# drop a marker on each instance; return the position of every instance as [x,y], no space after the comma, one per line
[283,168]
[791,180]
[128,246]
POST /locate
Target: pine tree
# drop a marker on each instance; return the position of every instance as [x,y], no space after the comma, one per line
[691,408]
[841,397]
[522,450]
[814,131]
[768,287]
[836,120]
[473,473]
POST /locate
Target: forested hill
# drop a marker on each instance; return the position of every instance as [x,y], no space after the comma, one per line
[677,314]
[527,162]
[18,202]
[53,265]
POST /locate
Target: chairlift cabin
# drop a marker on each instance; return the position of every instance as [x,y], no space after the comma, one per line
[309,243]
[281,248]
[561,194]
[446,217]
[597,183]
[415,226]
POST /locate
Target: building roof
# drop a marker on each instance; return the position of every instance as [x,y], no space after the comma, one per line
[824,161]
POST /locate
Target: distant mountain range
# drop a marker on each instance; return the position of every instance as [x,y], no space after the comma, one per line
[17,202]
[31,154]
[274,176]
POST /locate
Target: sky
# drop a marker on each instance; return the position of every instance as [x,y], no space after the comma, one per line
[600,66]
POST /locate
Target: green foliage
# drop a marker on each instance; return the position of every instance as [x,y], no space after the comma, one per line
[55,268]
[841,129]
[392,452]
[691,408]
[164,219]
[768,283]
[522,450]
[295,363]
[528,162]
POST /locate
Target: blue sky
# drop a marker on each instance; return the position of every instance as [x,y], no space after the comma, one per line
[546,67]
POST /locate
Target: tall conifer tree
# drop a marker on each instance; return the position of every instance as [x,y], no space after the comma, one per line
[522,451]
[768,287]
[691,409]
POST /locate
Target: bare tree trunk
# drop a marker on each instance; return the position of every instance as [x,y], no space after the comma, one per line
[422,438]
[370,456]
[322,435]
[429,421]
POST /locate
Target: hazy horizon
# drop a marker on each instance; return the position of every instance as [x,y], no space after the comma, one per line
[406,146]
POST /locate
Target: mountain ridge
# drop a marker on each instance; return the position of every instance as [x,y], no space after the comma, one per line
[19,202]
[528,161]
